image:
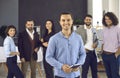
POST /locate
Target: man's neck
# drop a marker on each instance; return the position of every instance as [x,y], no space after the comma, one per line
[88,27]
[31,31]
[66,33]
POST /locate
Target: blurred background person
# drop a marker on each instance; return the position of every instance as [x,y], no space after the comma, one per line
[111,44]
[49,31]
[89,37]
[28,45]
[11,53]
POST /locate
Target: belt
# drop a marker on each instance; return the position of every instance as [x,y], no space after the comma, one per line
[87,50]
[108,53]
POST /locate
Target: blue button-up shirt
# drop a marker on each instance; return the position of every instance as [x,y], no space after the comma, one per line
[9,46]
[62,50]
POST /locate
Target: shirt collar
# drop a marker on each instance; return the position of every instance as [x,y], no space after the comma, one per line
[29,31]
[86,27]
[110,27]
[64,36]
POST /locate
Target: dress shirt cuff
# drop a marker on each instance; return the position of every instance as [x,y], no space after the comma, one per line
[60,66]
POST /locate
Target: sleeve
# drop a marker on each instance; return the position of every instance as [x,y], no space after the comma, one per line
[39,43]
[102,36]
[82,53]
[118,37]
[20,45]
[50,54]
[95,36]
[7,47]
[78,30]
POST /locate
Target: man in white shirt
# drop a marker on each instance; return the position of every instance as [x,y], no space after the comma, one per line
[89,37]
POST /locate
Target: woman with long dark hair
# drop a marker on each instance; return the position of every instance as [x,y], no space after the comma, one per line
[49,31]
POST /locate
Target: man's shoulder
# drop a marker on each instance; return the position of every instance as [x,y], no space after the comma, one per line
[56,35]
[77,35]
[81,27]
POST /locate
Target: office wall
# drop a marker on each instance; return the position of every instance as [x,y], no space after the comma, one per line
[9,12]
[40,10]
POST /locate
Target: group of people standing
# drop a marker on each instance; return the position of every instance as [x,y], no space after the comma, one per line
[64,49]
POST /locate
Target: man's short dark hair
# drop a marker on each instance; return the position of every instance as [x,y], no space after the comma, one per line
[88,15]
[66,13]
[29,20]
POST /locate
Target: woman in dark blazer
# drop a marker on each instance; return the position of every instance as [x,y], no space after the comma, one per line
[49,31]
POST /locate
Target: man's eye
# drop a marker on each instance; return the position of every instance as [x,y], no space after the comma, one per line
[68,20]
[63,20]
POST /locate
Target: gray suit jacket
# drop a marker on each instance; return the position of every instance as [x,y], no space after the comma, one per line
[80,30]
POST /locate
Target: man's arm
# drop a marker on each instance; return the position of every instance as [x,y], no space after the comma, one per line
[95,38]
[82,54]
[20,45]
[118,37]
[50,54]
[38,43]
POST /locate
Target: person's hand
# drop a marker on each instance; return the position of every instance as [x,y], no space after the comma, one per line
[45,44]
[14,53]
[36,50]
[42,40]
[17,53]
[66,68]
[22,60]
[94,45]
[117,53]
[75,69]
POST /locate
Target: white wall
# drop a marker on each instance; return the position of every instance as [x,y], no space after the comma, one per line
[90,10]
[107,5]
[97,12]
[112,6]
[95,9]
[119,13]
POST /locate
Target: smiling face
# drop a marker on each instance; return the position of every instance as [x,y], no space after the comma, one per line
[108,21]
[49,25]
[66,21]
[11,32]
[88,21]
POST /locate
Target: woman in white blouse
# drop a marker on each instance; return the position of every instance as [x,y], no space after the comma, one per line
[11,54]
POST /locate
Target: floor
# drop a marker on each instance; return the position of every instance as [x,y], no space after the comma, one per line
[3,73]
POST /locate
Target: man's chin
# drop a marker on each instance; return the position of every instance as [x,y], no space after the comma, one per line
[30,29]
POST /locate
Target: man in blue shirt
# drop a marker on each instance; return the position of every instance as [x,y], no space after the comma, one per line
[66,49]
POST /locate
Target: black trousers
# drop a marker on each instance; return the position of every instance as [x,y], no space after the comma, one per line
[13,69]
[90,61]
[48,68]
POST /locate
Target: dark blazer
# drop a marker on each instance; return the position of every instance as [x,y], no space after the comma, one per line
[25,47]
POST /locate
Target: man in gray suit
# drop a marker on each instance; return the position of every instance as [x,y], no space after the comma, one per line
[90,40]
